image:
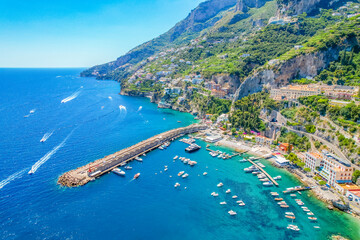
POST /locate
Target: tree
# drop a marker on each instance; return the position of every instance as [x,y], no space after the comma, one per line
[307,169]
[355,176]
[322,182]
[233,131]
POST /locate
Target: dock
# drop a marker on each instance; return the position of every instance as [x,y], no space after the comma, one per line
[93,170]
[263,171]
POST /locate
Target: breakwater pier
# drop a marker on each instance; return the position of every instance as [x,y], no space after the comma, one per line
[91,171]
[262,170]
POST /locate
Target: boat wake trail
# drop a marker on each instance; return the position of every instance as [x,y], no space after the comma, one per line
[139,109]
[48,155]
[12,177]
[72,96]
[46,136]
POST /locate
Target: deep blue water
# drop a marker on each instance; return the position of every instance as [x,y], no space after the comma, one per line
[91,125]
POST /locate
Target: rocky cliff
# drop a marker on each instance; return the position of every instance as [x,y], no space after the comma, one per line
[244,5]
[296,7]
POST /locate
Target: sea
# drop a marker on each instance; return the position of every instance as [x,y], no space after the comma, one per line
[52,121]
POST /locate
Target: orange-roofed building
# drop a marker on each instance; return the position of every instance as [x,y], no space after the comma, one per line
[285,147]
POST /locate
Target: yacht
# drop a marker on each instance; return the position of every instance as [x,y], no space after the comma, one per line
[228,191]
[220,184]
[268,184]
[118,171]
[138,159]
[192,148]
[232,213]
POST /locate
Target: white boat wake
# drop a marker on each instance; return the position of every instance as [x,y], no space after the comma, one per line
[72,96]
[110,97]
[139,109]
[122,108]
[48,155]
[12,177]
[46,136]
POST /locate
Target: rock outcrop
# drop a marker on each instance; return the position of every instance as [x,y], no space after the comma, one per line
[311,7]
[244,5]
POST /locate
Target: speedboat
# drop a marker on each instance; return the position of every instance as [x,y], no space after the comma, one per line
[177,185]
[185,175]
[136,175]
[205,173]
[220,184]
[118,171]
[234,197]
[31,172]
[181,173]
[176,157]
[222,203]
[228,191]
[232,213]
[138,159]
[128,168]
[317,227]
[293,227]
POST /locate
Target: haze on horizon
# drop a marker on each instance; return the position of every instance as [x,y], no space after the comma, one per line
[81,33]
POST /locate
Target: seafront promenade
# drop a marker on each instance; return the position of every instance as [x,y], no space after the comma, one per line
[91,171]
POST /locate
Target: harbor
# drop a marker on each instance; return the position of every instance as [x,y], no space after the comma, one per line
[91,171]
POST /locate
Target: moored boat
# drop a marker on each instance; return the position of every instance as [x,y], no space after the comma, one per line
[293,227]
[268,184]
[205,173]
[177,185]
[138,159]
[228,191]
[118,171]
[290,217]
[232,213]
[241,203]
[222,203]
[220,184]
[185,175]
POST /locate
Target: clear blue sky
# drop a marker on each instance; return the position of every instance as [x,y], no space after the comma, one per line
[81,33]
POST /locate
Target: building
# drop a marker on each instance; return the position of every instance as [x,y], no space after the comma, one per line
[285,147]
[218,93]
[281,161]
[213,138]
[354,196]
[312,160]
[293,92]
[197,80]
[263,140]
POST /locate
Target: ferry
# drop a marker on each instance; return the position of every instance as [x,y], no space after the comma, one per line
[136,175]
[181,173]
[128,168]
[232,213]
[220,184]
[138,159]
[192,148]
[118,171]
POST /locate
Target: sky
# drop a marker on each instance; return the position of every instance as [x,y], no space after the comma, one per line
[81,33]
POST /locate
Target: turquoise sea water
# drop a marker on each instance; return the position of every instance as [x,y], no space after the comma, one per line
[90,125]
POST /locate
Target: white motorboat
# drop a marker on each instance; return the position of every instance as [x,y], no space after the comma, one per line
[176,157]
[234,197]
[222,203]
[118,171]
[220,184]
[232,213]
[214,194]
[185,175]
[138,159]
[268,184]
[293,227]
[277,178]
[228,191]
[177,185]
[290,213]
[205,173]
[241,203]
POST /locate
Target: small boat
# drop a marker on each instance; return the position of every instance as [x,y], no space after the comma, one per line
[292,195]
[136,175]
[277,178]
[241,203]
[234,197]
[264,180]
[310,214]
[118,171]
[205,173]
[268,184]
[128,168]
[222,203]
[261,165]
[306,210]
[278,199]
[185,175]
[176,157]
[256,172]
[220,184]
[290,213]
[177,185]
[316,227]
[282,203]
[192,163]
[284,206]
[138,159]
[274,194]
[290,217]
[181,173]
[192,148]
[228,191]
[232,213]
[214,194]
[165,169]
[312,218]
[293,227]
[161,148]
